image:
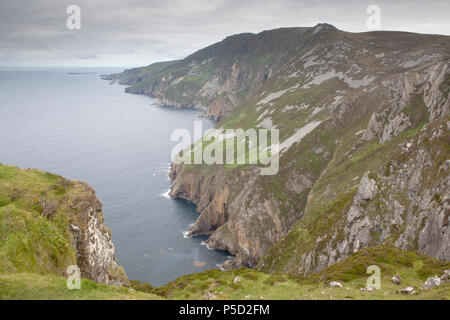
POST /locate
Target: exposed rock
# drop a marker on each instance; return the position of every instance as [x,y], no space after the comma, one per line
[209,296]
[219,108]
[408,290]
[427,83]
[431,283]
[394,127]
[367,289]
[366,191]
[396,279]
[247,214]
[367,188]
[299,183]
[335,284]
[374,128]
[232,264]
[446,276]
[408,208]
[237,279]
[92,241]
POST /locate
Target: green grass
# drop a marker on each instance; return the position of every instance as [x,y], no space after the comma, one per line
[26,286]
[412,267]
[34,215]
[32,243]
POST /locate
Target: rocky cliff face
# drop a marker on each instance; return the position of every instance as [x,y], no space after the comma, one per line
[92,241]
[396,118]
[342,103]
[404,204]
[220,77]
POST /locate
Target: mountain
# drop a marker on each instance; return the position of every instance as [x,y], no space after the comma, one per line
[363,120]
[222,76]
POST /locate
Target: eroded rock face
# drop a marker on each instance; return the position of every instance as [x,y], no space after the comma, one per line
[427,83]
[326,86]
[374,128]
[246,225]
[405,204]
[210,194]
[92,242]
[366,191]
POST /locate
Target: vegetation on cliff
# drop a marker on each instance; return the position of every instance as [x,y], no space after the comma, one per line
[48,223]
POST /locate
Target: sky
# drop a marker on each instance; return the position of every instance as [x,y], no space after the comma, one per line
[129,33]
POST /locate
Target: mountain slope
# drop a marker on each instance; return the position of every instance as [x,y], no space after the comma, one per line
[343,103]
[221,76]
[31,286]
[403,203]
[245,284]
[351,273]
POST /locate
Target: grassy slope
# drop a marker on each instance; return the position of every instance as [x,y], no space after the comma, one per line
[28,286]
[134,75]
[412,267]
[35,245]
[33,221]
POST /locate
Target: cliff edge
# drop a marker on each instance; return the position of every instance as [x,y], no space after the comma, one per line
[48,223]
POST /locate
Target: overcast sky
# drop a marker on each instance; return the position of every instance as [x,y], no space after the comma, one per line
[138,32]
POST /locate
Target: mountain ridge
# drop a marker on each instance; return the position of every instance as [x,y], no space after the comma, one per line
[369,93]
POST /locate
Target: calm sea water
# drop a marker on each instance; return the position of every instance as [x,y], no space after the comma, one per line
[84,128]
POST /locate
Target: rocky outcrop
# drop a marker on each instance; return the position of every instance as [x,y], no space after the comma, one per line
[366,191]
[236,213]
[402,114]
[62,223]
[374,128]
[232,225]
[92,241]
[405,204]
[210,193]
[431,283]
[218,108]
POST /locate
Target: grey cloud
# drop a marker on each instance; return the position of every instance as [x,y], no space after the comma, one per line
[141,32]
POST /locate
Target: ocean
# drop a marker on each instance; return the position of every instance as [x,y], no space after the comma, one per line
[70,122]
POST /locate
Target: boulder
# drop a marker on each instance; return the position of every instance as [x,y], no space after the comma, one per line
[367,289]
[409,290]
[446,276]
[335,284]
[367,188]
[396,279]
[209,296]
[431,283]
